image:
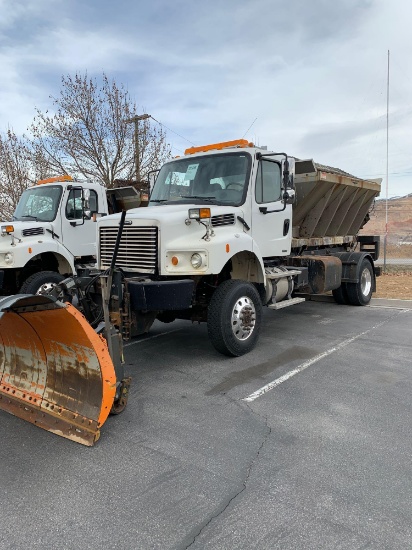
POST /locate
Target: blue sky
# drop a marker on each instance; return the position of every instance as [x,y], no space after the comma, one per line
[310,77]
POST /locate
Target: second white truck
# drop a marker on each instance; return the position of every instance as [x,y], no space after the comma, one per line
[52,231]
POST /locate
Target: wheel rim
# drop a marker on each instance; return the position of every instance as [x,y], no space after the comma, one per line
[243,318]
[46,288]
[366,282]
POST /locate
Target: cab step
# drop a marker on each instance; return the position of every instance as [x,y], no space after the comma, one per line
[286,303]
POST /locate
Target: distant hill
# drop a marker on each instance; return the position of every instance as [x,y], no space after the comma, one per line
[399,220]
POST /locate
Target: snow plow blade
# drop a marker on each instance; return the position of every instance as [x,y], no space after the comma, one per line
[55,371]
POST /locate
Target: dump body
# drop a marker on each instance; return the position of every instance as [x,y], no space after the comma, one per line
[331,206]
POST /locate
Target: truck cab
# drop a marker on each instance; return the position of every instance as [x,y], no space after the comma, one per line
[221,178]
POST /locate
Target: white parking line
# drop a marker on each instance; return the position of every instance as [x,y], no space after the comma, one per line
[307,364]
[151,337]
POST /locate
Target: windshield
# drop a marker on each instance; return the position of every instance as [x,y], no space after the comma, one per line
[218,179]
[39,204]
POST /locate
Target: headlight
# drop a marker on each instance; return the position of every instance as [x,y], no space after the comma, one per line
[8,258]
[196,260]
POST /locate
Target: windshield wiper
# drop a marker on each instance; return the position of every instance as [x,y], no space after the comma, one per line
[158,200]
[197,197]
[31,217]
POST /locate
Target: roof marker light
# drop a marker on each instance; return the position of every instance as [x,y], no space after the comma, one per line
[222,145]
[64,177]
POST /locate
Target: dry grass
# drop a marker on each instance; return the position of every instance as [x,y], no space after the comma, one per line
[395,283]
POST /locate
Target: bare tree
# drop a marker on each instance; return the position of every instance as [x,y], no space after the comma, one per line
[16,171]
[89,135]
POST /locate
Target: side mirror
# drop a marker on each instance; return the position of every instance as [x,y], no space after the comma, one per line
[289,196]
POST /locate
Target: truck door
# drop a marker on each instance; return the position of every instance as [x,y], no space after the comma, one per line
[78,229]
[271,230]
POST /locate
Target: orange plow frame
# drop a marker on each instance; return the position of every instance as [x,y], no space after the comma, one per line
[55,371]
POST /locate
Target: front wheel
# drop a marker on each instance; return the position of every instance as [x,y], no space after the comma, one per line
[360,293]
[234,317]
[40,283]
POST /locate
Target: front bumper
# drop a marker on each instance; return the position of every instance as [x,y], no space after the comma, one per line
[160,295]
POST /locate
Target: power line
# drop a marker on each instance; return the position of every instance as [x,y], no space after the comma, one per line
[173,132]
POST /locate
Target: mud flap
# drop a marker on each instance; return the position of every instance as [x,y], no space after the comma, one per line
[55,371]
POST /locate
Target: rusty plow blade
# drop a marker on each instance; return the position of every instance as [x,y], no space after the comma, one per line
[55,371]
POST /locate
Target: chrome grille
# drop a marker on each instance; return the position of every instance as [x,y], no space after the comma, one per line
[223,219]
[33,231]
[137,251]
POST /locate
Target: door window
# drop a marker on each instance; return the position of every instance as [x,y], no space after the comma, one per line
[74,206]
[268,182]
[90,202]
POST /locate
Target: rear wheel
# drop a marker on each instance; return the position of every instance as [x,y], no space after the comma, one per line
[40,283]
[341,295]
[360,293]
[234,317]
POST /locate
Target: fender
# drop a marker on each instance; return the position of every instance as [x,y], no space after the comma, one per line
[351,262]
[64,259]
[247,263]
[247,266]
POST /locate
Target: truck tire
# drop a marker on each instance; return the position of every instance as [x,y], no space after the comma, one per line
[42,281]
[341,294]
[234,317]
[360,293]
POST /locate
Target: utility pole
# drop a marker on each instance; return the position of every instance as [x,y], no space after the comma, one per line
[385,242]
[135,120]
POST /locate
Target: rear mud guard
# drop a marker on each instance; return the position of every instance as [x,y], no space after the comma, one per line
[55,371]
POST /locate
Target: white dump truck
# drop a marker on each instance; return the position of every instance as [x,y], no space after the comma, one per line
[230,228]
[52,231]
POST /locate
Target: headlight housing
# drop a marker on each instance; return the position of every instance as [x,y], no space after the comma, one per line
[7,229]
[8,258]
[199,213]
[196,260]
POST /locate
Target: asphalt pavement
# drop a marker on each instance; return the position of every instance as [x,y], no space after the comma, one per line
[305,443]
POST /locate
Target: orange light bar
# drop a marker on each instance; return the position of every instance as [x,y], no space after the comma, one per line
[65,177]
[222,145]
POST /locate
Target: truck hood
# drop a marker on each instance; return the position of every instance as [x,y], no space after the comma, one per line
[29,228]
[169,213]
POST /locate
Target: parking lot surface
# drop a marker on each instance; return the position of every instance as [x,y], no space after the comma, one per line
[305,443]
